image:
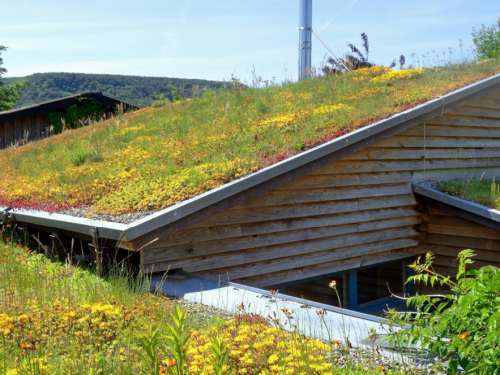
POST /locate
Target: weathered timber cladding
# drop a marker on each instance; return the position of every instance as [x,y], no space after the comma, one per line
[27,129]
[354,212]
[448,235]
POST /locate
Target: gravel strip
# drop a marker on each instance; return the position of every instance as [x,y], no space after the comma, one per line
[432,184]
[87,213]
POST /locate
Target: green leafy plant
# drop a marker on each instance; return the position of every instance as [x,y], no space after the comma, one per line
[461,328]
[219,352]
[177,341]
[487,41]
[151,347]
[9,94]
[88,110]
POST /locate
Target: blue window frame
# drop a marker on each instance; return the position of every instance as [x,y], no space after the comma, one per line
[349,285]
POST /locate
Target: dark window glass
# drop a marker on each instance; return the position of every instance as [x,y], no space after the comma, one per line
[373,282]
[319,291]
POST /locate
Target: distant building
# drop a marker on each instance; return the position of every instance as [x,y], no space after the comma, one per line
[22,125]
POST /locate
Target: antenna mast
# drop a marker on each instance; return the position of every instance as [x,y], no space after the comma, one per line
[305,37]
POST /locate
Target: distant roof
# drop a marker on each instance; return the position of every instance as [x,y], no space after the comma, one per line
[58,104]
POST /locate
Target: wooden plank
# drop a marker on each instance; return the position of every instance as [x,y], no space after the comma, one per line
[453,262]
[436,211]
[451,220]
[313,181]
[45,127]
[264,247]
[438,142]
[39,127]
[35,128]
[261,214]
[472,232]
[18,130]
[27,128]
[311,259]
[202,234]
[2,140]
[476,112]
[8,133]
[488,103]
[463,242]
[453,251]
[390,154]
[409,248]
[457,131]
[286,197]
[350,166]
[465,121]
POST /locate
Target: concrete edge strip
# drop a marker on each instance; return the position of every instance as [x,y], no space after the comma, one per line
[302,301]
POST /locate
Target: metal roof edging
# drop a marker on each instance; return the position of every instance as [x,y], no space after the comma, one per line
[462,204]
[105,229]
[138,228]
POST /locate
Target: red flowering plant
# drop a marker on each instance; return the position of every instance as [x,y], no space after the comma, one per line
[460,327]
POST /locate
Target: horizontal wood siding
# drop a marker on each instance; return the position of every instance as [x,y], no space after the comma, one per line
[355,212]
[327,220]
[448,235]
[19,131]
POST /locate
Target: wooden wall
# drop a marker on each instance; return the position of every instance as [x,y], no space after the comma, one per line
[448,235]
[357,211]
[35,127]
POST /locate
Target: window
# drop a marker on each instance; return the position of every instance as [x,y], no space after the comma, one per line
[320,291]
[365,289]
[374,283]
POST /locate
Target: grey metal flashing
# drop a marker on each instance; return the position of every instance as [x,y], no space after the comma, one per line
[170,215]
[108,230]
[468,210]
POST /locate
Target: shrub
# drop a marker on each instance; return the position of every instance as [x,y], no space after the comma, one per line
[487,41]
[460,328]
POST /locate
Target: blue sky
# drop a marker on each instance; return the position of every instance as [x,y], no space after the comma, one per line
[215,39]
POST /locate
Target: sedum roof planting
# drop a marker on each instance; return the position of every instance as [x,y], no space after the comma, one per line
[157,157]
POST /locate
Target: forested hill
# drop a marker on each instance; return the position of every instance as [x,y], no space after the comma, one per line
[131,89]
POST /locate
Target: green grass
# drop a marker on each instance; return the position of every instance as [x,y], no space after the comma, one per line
[157,157]
[483,191]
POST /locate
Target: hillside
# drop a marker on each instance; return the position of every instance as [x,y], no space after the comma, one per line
[157,157]
[131,89]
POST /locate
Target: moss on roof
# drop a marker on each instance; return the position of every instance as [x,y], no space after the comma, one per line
[157,157]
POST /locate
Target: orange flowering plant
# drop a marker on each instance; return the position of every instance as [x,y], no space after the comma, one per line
[461,326]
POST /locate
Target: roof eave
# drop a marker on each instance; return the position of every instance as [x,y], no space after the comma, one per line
[59,104]
[475,212]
